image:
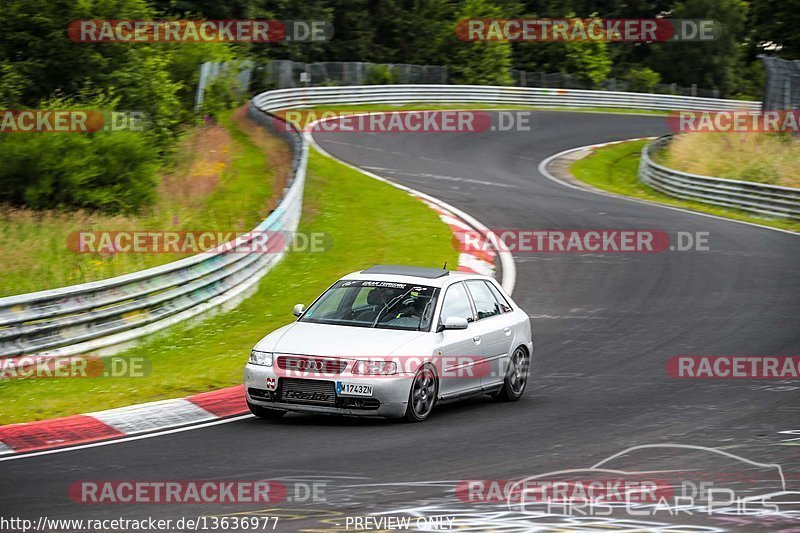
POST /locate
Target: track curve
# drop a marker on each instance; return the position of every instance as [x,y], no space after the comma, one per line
[604,326]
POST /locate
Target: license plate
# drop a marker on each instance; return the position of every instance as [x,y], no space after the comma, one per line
[353,389]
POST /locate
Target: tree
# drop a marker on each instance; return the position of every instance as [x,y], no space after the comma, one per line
[306,51]
[774,27]
[588,60]
[642,79]
[478,62]
[709,64]
[412,31]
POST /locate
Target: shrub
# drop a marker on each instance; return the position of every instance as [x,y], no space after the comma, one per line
[642,79]
[379,75]
[222,93]
[108,171]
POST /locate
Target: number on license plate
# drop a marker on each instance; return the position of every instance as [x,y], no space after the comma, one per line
[353,389]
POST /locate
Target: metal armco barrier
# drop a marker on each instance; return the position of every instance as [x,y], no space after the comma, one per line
[100,314]
[104,314]
[406,94]
[761,198]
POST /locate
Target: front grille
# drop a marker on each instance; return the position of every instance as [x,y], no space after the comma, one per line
[311,391]
[311,364]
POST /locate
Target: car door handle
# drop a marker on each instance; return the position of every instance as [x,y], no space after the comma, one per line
[477,339]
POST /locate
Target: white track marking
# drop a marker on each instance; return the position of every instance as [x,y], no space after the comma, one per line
[506,259]
[23,455]
[4,449]
[543,171]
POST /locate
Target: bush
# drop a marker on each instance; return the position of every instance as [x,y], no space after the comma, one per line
[379,75]
[642,79]
[479,62]
[107,171]
[588,60]
[222,93]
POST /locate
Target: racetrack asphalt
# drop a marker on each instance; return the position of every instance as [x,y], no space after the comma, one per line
[604,326]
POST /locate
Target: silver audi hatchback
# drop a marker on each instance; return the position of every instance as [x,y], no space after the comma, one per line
[393,341]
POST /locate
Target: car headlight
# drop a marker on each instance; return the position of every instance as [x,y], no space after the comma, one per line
[375,368]
[261,358]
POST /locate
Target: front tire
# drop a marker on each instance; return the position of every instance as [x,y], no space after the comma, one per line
[516,376]
[264,412]
[422,397]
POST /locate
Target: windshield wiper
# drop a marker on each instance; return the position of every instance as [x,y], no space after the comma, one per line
[389,305]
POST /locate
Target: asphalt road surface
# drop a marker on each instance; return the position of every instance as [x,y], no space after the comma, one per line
[604,326]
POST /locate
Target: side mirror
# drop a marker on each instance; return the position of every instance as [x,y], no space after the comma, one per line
[298,309]
[455,322]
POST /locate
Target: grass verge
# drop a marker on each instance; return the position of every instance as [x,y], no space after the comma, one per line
[190,358]
[614,168]
[223,178]
[765,158]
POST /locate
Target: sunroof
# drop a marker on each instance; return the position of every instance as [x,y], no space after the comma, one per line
[402,270]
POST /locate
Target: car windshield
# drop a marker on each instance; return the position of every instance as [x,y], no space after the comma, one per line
[375,304]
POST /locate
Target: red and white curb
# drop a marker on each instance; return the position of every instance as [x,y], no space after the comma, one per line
[122,422]
[473,259]
[468,261]
[196,409]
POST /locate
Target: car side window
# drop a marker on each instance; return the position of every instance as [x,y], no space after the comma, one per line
[456,303]
[485,302]
[504,305]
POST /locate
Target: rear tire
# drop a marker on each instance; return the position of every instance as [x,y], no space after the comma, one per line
[516,376]
[422,397]
[264,412]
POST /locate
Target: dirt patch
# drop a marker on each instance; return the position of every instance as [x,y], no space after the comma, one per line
[276,152]
[208,154]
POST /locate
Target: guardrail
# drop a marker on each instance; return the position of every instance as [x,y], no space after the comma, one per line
[100,314]
[105,314]
[760,198]
[535,96]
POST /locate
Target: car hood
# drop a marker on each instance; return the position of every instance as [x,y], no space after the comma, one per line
[304,338]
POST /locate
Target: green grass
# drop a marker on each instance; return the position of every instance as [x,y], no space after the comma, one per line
[766,158]
[34,244]
[614,168]
[369,222]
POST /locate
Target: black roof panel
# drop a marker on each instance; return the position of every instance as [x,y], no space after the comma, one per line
[403,270]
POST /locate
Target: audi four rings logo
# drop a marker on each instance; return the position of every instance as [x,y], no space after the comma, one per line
[310,364]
